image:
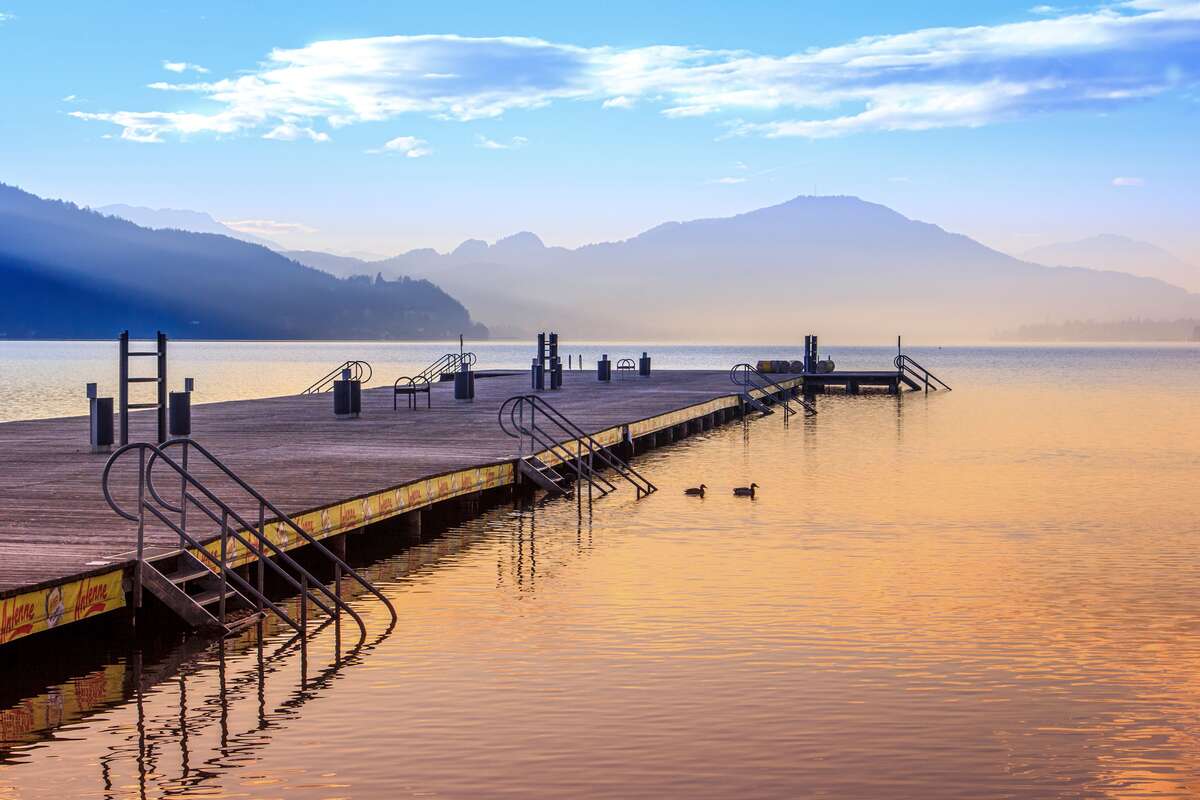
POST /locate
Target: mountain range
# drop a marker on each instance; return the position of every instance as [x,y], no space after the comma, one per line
[1120,253]
[853,270]
[849,269]
[68,272]
[180,220]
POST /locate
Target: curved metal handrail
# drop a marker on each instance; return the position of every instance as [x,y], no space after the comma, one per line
[280,516]
[743,375]
[514,405]
[228,574]
[357,370]
[905,362]
[447,363]
[413,387]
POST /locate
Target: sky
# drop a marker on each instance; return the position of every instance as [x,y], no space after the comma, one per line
[374,128]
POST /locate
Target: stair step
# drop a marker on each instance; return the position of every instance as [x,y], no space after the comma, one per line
[211,596]
[190,574]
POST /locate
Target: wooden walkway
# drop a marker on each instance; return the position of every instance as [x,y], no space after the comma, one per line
[55,526]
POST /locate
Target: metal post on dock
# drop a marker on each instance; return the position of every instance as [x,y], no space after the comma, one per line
[123,385]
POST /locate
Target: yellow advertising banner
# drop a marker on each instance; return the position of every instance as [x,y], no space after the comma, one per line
[42,609]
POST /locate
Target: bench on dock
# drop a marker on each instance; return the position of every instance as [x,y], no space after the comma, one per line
[411,387]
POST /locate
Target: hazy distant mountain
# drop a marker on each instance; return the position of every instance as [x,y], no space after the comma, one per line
[849,269]
[180,220]
[1109,251]
[69,272]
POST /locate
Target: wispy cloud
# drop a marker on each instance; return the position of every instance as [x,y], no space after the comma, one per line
[1128,181]
[5,17]
[183,66]
[69,98]
[1099,58]
[267,227]
[288,132]
[620,101]
[729,180]
[491,144]
[408,146]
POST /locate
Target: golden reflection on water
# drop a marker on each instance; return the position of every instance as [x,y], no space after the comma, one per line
[986,593]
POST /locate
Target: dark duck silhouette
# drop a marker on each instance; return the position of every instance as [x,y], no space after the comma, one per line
[698,491]
[745,491]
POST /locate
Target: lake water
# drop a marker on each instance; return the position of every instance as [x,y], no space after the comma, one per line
[993,592]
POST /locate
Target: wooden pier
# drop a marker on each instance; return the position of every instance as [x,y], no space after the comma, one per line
[66,556]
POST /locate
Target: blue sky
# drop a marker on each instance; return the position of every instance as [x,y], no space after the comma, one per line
[381,127]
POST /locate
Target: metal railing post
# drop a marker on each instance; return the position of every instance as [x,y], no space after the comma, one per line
[262,554]
[224,564]
[141,532]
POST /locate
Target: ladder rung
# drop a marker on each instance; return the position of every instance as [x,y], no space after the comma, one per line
[142,380]
[136,406]
[133,353]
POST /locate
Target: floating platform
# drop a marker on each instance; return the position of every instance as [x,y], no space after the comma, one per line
[66,556]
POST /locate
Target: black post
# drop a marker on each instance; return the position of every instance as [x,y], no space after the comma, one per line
[123,385]
[162,386]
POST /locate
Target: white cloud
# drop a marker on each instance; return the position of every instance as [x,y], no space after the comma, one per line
[491,144]
[729,181]
[289,133]
[1044,10]
[183,66]
[267,226]
[408,146]
[5,17]
[620,101]
[1128,181]
[69,99]
[1095,59]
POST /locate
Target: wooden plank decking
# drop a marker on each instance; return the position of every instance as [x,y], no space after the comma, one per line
[55,525]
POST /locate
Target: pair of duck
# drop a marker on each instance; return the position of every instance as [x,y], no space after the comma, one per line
[738,491]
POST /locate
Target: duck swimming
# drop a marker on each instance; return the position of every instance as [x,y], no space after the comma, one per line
[697,490]
[745,491]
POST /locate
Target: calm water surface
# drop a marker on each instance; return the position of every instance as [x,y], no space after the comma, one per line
[989,593]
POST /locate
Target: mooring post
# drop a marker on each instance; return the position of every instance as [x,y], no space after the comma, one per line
[123,384]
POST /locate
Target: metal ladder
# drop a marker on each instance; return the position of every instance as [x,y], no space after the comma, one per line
[197,579]
[159,354]
[447,364]
[552,437]
[357,370]
[769,393]
[915,376]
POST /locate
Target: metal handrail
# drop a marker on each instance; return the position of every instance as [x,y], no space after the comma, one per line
[264,505]
[540,437]
[227,573]
[411,388]
[514,408]
[906,363]
[749,378]
[448,363]
[306,582]
[357,370]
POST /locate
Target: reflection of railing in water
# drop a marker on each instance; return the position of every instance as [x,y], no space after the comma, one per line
[194,716]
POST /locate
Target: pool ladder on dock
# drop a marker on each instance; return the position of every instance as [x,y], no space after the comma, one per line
[192,580]
[358,369]
[561,453]
[915,376]
[770,393]
[445,367]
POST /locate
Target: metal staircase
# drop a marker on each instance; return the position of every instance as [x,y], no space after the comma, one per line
[201,586]
[359,371]
[915,376]
[555,454]
[445,367]
[761,393]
